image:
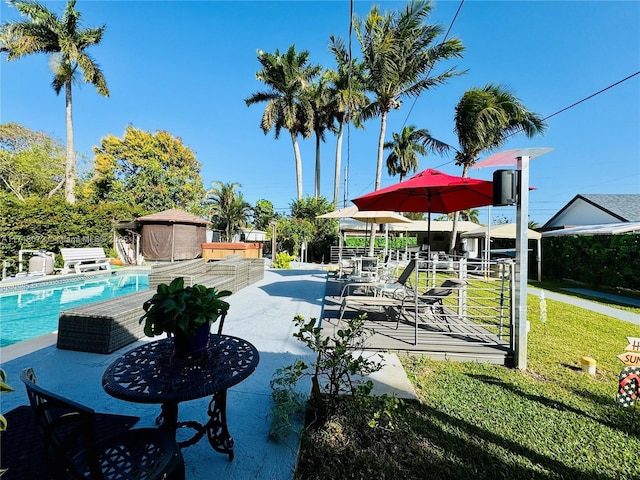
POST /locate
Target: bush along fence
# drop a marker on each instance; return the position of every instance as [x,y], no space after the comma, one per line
[597,260]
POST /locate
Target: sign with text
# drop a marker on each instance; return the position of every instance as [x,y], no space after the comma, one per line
[630,358]
[634,344]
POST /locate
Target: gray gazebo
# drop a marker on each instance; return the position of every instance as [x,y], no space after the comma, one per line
[172,235]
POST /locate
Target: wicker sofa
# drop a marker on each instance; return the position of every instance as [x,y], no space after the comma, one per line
[103,327]
[106,326]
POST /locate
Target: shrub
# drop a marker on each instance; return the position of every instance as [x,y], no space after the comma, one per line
[283,260]
[333,374]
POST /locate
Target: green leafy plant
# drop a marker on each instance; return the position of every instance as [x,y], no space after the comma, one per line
[283,260]
[334,373]
[176,307]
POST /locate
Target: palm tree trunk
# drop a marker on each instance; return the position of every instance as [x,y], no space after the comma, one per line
[70,167]
[454,231]
[336,174]
[296,151]
[383,128]
[317,189]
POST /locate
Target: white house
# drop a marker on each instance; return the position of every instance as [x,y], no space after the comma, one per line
[596,209]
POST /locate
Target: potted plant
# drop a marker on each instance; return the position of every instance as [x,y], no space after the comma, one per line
[186,313]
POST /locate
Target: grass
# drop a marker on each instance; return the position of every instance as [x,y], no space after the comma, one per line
[483,421]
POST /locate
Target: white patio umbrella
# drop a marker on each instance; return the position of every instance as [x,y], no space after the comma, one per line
[381,216]
[376,216]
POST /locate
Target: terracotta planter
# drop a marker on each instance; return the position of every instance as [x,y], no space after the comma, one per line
[192,346]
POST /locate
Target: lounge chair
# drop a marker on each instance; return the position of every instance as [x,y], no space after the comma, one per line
[68,433]
[376,298]
[431,301]
[84,259]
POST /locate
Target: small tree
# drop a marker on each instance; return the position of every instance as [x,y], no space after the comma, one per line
[323,229]
[293,233]
[337,371]
[263,215]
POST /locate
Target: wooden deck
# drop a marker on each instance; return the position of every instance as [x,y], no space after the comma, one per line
[450,338]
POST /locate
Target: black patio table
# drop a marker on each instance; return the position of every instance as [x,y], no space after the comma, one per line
[151,374]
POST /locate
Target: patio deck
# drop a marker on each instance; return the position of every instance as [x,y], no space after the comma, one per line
[461,339]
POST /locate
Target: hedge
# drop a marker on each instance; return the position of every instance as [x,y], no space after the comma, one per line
[597,260]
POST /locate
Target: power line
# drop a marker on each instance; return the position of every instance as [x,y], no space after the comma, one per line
[591,96]
[568,107]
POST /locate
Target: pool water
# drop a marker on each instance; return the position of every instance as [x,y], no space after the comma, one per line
[34,312]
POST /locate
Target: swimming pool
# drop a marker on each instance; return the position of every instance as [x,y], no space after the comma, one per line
[34,312]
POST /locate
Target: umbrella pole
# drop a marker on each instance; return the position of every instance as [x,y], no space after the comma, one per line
[429,232]
[386,240]
[429,224]
[339,252]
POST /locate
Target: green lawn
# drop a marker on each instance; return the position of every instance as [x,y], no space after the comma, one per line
[551,421]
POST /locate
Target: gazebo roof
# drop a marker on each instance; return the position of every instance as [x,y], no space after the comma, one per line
[174,215]
[506,230]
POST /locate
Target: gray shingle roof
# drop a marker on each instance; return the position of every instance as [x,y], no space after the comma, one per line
[625,206]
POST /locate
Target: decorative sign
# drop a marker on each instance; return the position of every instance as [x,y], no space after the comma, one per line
[630,358]
[634,344]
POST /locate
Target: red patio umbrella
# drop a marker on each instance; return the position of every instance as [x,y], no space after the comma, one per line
[430,191]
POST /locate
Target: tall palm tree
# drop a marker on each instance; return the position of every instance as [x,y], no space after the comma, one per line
[399,54]
[484,119]
[320,97]
[229,211]
[44,32]
[348,98]
[287,77]
[405,148]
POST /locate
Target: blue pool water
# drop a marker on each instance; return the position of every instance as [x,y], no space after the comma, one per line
[34,312]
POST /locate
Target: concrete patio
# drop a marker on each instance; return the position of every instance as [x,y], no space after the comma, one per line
[262,313]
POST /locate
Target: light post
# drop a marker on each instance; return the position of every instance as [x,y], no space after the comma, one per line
[520,158]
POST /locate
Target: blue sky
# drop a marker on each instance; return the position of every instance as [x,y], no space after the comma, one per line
[186,67]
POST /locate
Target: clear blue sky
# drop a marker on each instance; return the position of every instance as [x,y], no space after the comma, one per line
[186,67]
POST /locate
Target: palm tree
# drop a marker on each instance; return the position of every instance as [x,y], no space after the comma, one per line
[484,119]
[470,215]
[399,56]
[348,98]
[405,148]
[229,211]
[44,32]
[320,97]
[287,76]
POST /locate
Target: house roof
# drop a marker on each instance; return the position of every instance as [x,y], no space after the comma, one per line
[173,215]
[619,207]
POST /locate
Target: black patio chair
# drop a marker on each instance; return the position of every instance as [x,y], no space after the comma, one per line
[68,434]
